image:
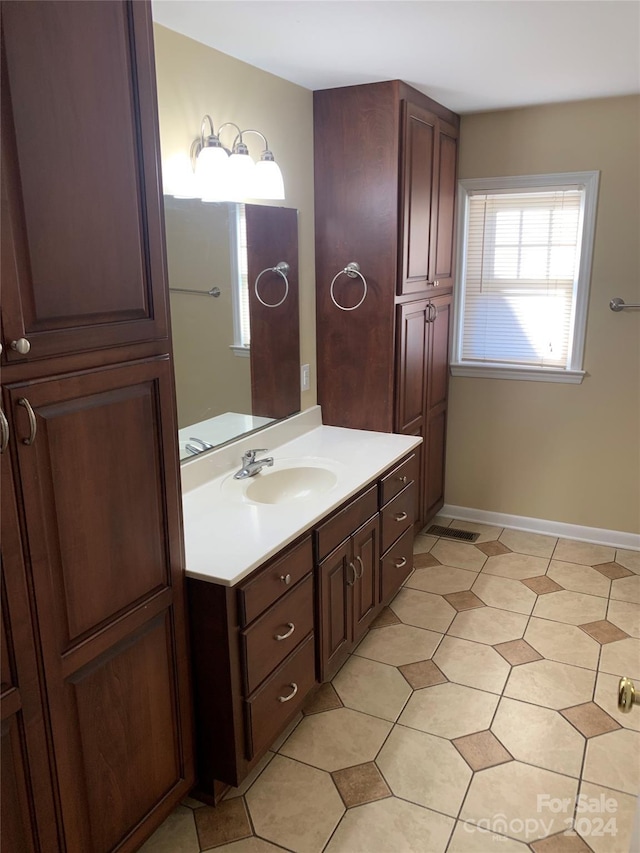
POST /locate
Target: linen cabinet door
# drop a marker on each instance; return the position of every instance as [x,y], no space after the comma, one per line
[335,575]
[442,232]
[82,235]
[366,588]
[436,407]
[98,464]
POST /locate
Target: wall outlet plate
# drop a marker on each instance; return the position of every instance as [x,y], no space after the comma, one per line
[304,377]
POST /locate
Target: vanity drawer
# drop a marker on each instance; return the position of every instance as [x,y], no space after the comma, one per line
[266,713]
[330,534]
[395,481]
[397,516]
[291,618]
[396,565]
[272,582]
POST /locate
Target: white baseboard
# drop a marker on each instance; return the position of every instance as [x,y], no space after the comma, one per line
[594,535]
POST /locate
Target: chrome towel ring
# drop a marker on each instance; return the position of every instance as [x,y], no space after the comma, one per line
[352,270]
[282,268]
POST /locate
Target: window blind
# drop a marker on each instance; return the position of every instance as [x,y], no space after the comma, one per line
[521,266]
[243,279]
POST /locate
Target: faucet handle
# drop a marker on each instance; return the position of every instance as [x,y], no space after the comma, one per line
[250,455]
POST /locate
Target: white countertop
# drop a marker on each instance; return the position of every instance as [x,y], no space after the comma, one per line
[227,538]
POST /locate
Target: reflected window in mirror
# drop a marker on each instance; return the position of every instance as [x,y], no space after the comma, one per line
[241,322]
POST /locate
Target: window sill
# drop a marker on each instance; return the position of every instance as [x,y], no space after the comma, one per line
[241,352]
[530,374]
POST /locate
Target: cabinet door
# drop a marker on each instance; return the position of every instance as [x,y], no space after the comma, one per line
[419,129]
[442,233]
[28,814]
[334,623]
[366,588]
[82,236]
[100,495]
[436,407]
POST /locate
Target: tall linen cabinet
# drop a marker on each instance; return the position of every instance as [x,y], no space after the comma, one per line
[385,173]
[96,717]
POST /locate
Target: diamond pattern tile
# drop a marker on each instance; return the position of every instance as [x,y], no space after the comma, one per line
[489,680]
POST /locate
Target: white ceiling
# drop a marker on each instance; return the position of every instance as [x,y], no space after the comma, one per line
[470,55]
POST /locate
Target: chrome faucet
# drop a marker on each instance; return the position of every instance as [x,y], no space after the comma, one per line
[252,466]
[204,445]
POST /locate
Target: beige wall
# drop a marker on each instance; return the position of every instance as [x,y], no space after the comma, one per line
[569,453]
[193,80]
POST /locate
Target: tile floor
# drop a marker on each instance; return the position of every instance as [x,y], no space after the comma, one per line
[479,714]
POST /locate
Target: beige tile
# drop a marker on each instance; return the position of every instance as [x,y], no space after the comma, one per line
[564,643]
[613,571]
[517,652]
[423,673]
[621,810]
[533,544]
[399,644]
[607,698]
[441,579]
[541,585]
[629,559]
[424,769]
[626,589]
[249,845]
[294,805]
[508,796]
[571,551]
[590,719]
[578,578]
[336,739]
[441,520]
[621,658]
[472,664]
[275,746]
[469,838]
[481,750]
[626,616]
[539,736]
[192,803]
[449,710]
[551,684]
[360,784]
[574,608]
[227,822]
[611,761]
[423,609]
[423,560]
[603,632]
[377,828]
[251,778]
[465,600]
[488,532]
[504,593]
[560,843]
[422,544]
[488,625]
[516,566]
[176,835]
[325,698]
[459,554]
[372,687]
[493,549]
[385,618]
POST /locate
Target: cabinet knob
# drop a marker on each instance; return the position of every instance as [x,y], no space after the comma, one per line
[401,516]
[286,579]
[402,479]
[436,284]
[627,695]
[21,346]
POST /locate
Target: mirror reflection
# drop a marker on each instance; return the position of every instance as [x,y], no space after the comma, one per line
[236,347]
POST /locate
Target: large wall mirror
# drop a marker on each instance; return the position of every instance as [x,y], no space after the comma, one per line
[233,279]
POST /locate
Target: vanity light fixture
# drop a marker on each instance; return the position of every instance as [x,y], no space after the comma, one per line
[224,174]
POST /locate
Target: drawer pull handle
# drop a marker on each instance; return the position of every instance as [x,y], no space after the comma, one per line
[355,574]
[358,576]
[403,479]
[401,516]
[33,426]
[401,563]
[286,579]
[291,628]
[291,695]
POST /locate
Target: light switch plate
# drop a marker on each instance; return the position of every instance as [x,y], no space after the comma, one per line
[304,377]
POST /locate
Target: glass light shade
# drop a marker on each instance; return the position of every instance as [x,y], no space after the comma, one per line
[241,176]
[212,174]
[177,177]
[267,181]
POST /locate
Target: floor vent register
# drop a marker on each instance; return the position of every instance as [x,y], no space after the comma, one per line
[452,533]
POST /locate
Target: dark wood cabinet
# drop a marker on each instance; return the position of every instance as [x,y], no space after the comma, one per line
[385,177]
[98,696]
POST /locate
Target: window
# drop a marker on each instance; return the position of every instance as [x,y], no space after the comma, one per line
[523,276]
[240,277]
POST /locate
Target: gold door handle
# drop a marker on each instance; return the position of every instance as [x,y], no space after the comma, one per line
[627,695]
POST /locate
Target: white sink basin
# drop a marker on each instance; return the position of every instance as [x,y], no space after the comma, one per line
[287,481]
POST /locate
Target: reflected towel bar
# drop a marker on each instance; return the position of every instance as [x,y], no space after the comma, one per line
[215,291]
[618,304]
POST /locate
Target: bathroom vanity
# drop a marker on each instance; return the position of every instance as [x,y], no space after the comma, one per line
[286,571]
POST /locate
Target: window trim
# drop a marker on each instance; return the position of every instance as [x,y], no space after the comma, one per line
[238,347]
[574,372]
